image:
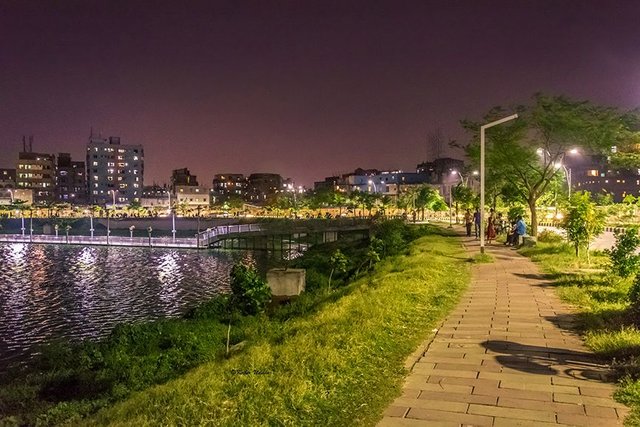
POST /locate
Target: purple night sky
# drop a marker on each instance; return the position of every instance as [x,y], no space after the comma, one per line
[302,88]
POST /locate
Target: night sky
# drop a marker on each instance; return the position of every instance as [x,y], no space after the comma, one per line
[302,88]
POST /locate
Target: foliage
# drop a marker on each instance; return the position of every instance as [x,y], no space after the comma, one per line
[523,155]
[464,196]
[603,199]
[548,236]
[338,264]
[583,221]
[360,335]
[250,293]
[514,212]
[624,260]
[604,313]
[351,349]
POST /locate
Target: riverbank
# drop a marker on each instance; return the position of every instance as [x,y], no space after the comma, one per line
[331,357]
[604,315]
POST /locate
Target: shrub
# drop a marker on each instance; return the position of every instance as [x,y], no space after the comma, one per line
[634,292]
[623,257]
[548,236]
[250,292]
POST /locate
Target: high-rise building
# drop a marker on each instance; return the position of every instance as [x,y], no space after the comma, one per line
[71,183]
[114,171]
[36,171]
[262,186]
[228,185]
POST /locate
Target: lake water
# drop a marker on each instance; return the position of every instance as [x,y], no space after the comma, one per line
[49,292]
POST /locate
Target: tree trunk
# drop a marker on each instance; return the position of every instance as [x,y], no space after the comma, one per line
[534,217]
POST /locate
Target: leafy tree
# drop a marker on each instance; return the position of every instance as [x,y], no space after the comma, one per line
[623,257]
[429,199]
[583,222]
[463,197]
[523,156]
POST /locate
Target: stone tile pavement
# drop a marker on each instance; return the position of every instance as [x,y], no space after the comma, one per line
[506,356]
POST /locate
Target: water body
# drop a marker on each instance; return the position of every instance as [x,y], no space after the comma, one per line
[50,292]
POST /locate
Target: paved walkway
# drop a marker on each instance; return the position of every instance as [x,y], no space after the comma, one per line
[506,356]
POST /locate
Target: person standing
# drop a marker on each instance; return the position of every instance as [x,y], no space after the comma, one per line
[491,229]
[468,221]
[476,222]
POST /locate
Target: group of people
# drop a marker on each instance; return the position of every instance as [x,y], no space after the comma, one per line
[496,225]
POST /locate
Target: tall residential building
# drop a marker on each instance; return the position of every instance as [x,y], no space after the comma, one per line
[228,185]
[183,177]
[262,186]
[114,171]
[71,183]
[36,171]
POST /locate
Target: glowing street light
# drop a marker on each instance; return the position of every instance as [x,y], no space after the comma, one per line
[375,189]
[483,128]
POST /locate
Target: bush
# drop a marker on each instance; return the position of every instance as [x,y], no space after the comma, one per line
[548,236]
[250,292]
[623,257]
[634,292]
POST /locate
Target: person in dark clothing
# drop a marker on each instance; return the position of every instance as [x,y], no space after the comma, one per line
[476,221]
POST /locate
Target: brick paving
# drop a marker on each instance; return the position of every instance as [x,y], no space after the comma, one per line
[506,356]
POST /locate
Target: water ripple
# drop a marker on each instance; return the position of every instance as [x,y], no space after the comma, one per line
[51,292]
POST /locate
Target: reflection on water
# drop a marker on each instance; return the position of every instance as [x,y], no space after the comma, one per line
[49,292]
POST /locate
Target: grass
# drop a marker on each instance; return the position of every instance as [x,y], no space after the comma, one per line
[603,309]
[481,259]
[329,358]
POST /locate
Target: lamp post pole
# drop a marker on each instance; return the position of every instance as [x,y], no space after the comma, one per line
[483,128]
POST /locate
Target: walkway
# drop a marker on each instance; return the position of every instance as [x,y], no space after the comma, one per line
[506,357]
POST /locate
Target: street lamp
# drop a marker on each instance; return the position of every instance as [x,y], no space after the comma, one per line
[483,128]
[149,230]
[113,193]
[11,193]
[375,189]
[90,213]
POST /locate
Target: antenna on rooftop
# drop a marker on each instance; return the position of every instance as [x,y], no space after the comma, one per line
[31,143]
[24,144]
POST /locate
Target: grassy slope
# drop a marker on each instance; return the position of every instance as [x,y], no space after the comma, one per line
[603,306]
[340,365]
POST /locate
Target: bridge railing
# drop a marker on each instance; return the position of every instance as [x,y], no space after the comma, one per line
[168,242]
[211,234]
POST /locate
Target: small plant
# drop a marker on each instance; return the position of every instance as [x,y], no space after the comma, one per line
[481,259]
[338,264]
[583,222]
[250,292]
[623,257]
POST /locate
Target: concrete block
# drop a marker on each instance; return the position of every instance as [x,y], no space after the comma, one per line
[286,282]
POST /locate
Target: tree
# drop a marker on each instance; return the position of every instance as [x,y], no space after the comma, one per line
[583,222]
[429,199]
[463,197]
[623,257]
[524,156]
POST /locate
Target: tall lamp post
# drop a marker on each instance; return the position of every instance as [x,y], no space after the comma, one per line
[483,128]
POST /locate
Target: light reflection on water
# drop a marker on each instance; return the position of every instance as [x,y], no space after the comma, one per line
[49,292]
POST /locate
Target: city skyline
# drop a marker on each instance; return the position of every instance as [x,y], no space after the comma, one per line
[304,89]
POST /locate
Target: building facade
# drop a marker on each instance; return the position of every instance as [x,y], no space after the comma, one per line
[115,171]
[71,182]
[262,186]
[36,172]
[191,195]
[228,185]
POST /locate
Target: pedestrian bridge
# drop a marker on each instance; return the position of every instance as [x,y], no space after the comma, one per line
[236,236]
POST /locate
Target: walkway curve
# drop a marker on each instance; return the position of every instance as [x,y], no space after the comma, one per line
[506,356]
